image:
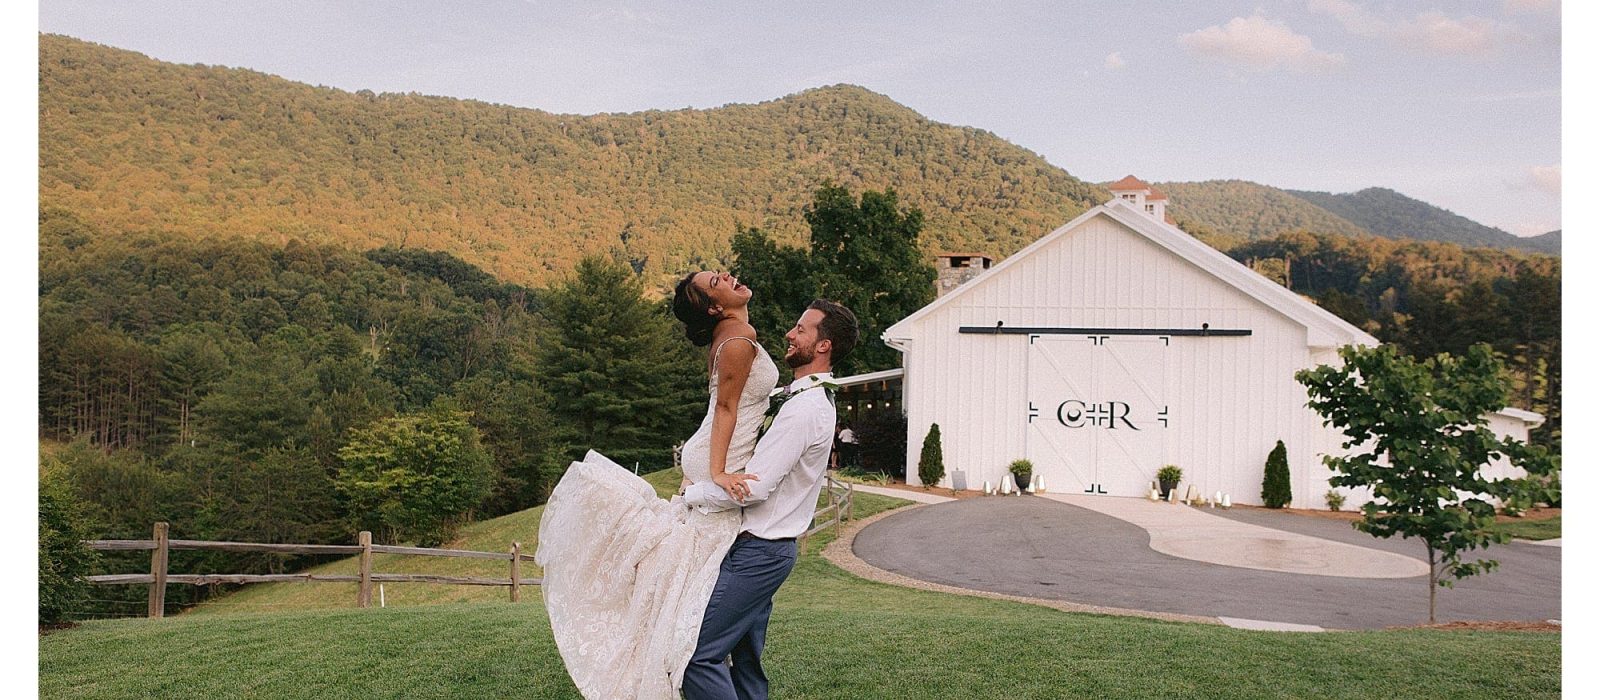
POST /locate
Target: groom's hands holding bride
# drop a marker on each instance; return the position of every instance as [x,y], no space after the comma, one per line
[734,484]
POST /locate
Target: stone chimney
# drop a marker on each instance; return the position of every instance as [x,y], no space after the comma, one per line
[1142,196]
[955,269]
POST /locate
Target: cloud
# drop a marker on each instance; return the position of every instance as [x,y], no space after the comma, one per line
[1114,61]
[1432,32]
[1468,36]
[1355,19]
[1546,179]
[1259,44]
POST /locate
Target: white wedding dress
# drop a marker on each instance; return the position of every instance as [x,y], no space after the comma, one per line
[627,575]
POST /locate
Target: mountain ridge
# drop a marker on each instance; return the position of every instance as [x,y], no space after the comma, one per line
[1254,210]
[130,143]
[1391,214]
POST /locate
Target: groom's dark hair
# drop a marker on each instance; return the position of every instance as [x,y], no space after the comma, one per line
[838,325]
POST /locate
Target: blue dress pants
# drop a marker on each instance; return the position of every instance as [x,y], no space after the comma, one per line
[735,623]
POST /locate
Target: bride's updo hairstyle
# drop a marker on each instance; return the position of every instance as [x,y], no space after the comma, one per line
[690,305]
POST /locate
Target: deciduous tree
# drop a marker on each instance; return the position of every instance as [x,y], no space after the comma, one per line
[1421,439]
[415,477]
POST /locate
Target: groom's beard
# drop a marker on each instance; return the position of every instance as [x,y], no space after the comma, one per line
[800,357]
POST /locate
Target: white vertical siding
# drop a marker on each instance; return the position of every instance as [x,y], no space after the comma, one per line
[1231,398]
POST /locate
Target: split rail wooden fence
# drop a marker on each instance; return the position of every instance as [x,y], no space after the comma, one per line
[840,508]
[159,545]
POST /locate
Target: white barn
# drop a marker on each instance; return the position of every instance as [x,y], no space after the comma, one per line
[1117,344]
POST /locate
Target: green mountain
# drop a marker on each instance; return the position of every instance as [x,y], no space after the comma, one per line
[1390,214]
[131,144]
[1252,211]
[1545,242]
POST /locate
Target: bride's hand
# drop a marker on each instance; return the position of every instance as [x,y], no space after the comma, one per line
[734,484]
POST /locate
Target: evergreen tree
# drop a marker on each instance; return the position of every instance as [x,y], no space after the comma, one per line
[614,373]
[191,365]
[930,465]
[515,426]
[262,404]
[1275,490]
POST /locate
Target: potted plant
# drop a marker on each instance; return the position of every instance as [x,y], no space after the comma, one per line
[1169,476]
[1022,471]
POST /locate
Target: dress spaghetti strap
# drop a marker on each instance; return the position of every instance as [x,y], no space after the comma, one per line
[718,352]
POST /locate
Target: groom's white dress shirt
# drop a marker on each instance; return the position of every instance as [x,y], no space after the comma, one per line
[791,460]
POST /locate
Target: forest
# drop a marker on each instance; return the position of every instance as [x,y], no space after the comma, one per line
[250,392]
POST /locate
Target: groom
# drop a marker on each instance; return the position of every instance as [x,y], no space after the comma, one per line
[787,472]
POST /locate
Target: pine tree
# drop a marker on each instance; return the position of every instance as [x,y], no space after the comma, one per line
[614,373]
[1275,491]
[930,468]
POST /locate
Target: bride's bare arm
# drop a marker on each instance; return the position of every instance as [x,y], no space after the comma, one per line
[733,371]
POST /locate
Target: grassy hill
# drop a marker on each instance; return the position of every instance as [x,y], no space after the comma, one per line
[832,636]
[130,143]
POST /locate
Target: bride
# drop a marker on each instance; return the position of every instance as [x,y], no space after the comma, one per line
[627,575]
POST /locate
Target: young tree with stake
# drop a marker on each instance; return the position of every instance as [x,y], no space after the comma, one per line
[1428,419]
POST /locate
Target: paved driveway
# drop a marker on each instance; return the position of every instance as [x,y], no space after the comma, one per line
[1037,547]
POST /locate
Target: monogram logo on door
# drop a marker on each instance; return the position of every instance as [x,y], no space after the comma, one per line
[1073,413]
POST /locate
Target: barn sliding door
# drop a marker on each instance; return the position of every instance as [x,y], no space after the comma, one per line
[1097,411]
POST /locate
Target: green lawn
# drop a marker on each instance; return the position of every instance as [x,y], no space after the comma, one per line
[833,636]
[1547,529]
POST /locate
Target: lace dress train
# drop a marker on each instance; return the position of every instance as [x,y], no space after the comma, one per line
[627,575]
[626,579]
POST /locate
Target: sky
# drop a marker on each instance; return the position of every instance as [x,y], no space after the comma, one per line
[1454,103]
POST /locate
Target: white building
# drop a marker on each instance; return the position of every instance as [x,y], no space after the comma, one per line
[1117,344]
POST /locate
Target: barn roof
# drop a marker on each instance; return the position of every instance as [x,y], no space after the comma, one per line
[1324,329]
